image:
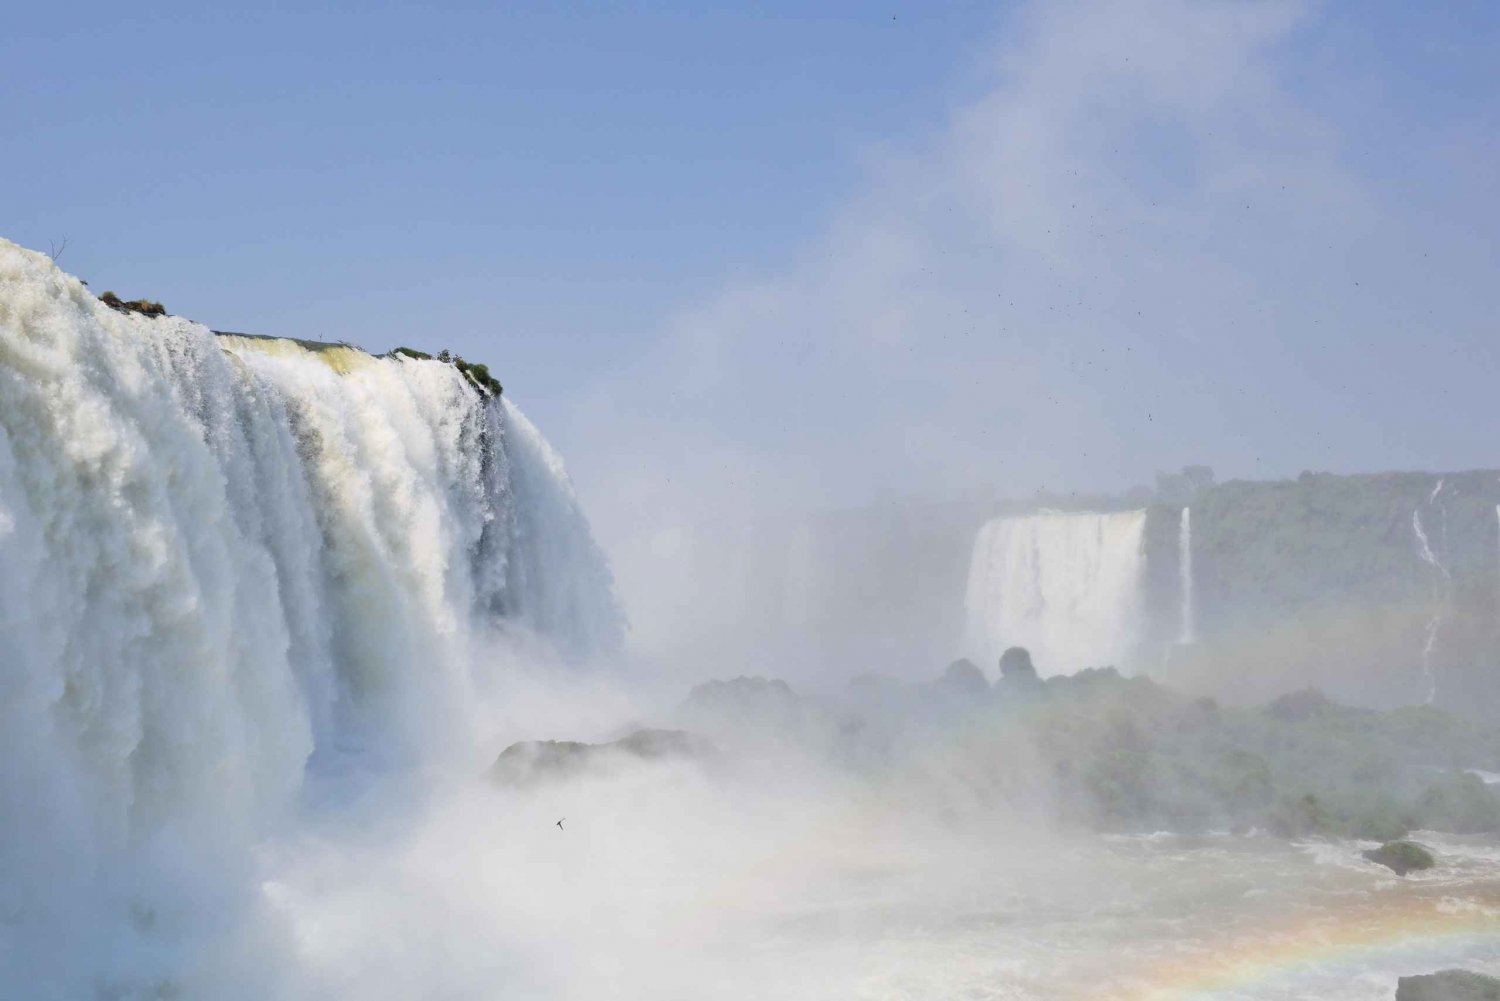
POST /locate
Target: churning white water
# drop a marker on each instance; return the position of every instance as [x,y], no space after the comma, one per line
[1065,586]
[228,562]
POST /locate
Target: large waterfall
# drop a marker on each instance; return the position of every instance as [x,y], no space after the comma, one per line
[224,560]
[1065,586]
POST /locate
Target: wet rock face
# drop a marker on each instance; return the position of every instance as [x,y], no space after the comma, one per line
[529,762]
[1449,985]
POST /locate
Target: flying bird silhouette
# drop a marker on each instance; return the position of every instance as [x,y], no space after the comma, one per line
[559,823]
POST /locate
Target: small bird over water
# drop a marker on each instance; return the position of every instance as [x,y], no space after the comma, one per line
[559,823]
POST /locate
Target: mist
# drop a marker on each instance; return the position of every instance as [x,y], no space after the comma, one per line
[1151,236]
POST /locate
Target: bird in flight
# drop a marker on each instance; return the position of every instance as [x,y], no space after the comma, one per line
[559,823]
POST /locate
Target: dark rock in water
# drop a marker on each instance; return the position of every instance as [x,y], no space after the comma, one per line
[1401,857]
[1015,665]
[1449,985]
[965,679]
[530,761]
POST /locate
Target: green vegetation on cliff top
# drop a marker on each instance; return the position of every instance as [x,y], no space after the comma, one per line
[477,373]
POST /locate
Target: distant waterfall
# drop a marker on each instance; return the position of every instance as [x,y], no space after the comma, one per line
[1188,631]
[1065,586]
[1439,578]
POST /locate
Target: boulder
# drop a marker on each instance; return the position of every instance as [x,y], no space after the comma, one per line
[1449,985]
[1401,857]
[1015,665]
[963,678]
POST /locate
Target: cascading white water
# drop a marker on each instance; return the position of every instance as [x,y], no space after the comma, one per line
[1065,586]
[1439,577]
[223,558]
[1188,629]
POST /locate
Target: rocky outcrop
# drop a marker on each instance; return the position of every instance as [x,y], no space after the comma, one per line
[1018,678]
[145,307]
[964,679]
[1401,857]
[1015,665]
[1449,985]
[529,762]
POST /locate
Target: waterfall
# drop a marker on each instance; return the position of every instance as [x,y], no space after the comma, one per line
[1439,577]
[1065,586]
[1188,627]
[226,559]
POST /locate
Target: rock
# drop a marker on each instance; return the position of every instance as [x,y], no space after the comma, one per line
[964,679]
[1018,683]
[1449,985]
[1401,857]
[143,306]
[528,762]
[1015,665]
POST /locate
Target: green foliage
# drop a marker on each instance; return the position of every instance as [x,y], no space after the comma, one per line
[1290,545]
[477,374]
[1383,820]
[1459,802]
[1300,817]
[1131,754]
[1183,487]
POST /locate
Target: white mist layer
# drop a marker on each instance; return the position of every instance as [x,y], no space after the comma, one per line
[226,560]
[1065,586]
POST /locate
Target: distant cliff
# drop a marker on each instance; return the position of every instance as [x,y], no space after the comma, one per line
[1323,580]
[1383,586]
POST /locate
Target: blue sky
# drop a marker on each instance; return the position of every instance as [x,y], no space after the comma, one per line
[543,184]
[809,252]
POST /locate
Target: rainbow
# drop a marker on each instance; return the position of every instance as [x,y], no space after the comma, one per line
[1409,930]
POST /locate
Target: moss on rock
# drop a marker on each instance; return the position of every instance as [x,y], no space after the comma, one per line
[1401,857]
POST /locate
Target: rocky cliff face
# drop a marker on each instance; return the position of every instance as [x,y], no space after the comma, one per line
[1382,588]
[1449,985]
